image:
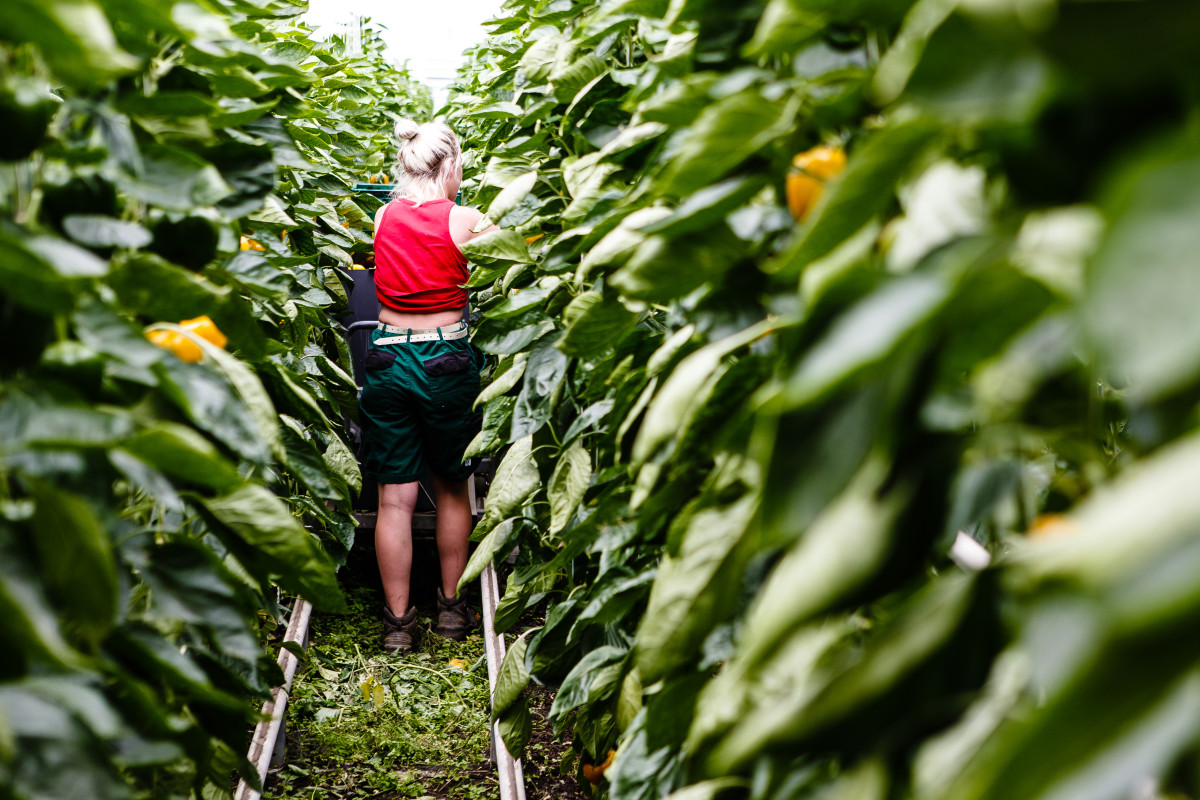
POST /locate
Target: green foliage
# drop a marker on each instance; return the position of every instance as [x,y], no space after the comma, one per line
[737,448]
[150,508]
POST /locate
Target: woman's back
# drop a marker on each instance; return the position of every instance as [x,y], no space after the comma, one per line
[419,266]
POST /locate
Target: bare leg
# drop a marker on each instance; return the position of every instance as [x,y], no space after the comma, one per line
[453,530]
[393,542]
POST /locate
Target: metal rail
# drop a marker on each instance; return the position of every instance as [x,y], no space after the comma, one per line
[266,733]
[512,782]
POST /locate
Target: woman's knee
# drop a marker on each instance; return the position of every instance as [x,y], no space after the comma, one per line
[400,496]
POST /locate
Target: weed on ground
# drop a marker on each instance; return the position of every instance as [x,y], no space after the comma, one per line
[365,724]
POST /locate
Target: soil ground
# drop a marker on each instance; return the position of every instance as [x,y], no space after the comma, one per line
[363,725]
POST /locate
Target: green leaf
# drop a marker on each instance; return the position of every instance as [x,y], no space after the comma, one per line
[685,388]
[545,370]
[516,727]
[77,562]
[1135,307]
[516,478]
[166,104]
[498,246]
[29,422]
[175,179]
[840,552]
[867,334]
[569,80]
[727,133]
[43,272]
[261,520]
[503,382]
[629,703]
[596,324]
[693,590]
[341,462]
[707,206]
[487,550]
[512,678]
[304,461]
[784,24]
[572,475]
[95,230]
[922,626]
[595,673]
[585,178]
[972,75]
[512,195]
[622,241]
[73,36]
[49,734]
[181,453]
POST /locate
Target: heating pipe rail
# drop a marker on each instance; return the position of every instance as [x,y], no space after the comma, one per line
[512,782]
[266,733]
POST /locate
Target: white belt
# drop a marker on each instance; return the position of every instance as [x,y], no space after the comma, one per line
[446,333]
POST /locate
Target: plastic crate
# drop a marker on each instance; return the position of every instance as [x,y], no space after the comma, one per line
[380,190]
[384,190]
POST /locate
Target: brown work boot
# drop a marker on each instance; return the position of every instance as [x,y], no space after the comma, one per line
[455,620]
[399,633]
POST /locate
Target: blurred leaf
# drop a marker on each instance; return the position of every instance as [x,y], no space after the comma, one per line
[725,134]
[178,451]
[77,562]
[175,179]
[693,590]
[95,230]
[1145,268]
[73,36]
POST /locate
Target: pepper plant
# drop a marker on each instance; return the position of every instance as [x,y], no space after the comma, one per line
[745,452]
[165,163]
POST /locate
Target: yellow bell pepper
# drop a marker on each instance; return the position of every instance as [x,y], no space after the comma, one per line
[811,170]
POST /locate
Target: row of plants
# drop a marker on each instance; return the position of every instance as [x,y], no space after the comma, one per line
[176,219]
[749,399]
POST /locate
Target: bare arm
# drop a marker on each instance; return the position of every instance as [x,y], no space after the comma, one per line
[463,221]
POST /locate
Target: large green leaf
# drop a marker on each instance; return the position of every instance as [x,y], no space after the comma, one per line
[263,522]
[74,37]
[595,323]
[1135,308]
[77,562]
[726,134]
[693,590]
[179,452]
[516,478]
[570,481]
[512,678]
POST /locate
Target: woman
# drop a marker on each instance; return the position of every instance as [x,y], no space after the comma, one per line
[422,376]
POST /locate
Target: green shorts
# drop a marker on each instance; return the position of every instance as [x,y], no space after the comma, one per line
[416,408]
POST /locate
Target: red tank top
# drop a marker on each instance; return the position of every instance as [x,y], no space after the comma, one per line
[418,267]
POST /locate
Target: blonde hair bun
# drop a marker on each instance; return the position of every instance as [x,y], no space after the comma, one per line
[407,130]
[429,159]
